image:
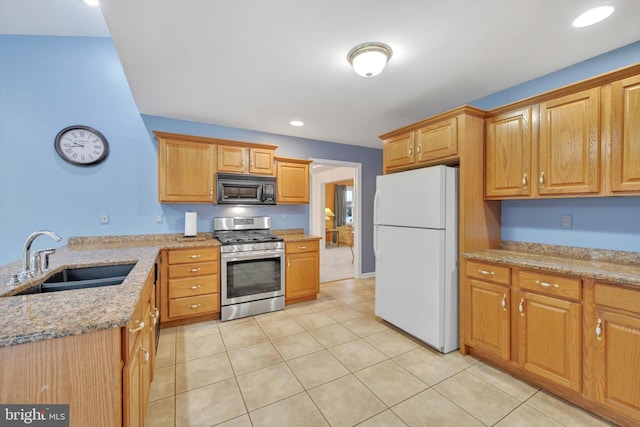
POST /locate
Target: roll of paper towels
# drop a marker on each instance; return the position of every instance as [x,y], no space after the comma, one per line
[190,224]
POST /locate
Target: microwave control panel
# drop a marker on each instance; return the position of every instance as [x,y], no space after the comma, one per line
[269,192]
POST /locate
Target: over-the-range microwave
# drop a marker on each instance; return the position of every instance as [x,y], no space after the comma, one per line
[236,189]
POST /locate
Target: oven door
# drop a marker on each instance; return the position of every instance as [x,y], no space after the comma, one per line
[250,276]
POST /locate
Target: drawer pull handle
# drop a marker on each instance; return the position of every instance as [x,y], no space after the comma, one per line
[156,311]
[547,285]
[194,270]
[599,330]
[146,355]
[504,302]
[288,264]
[521,307]
[410,152]
[486,273]
[194,286]
[154,318]
[302,247]
[524,181]
[194,256]
[194,306]
[541,180]
[139,328]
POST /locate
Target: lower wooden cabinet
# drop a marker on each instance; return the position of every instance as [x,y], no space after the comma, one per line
[190,285]
[302,273]
[550,338]
[574,336]
[616,329]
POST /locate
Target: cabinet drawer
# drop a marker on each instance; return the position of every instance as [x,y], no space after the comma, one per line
[550,284]
[297,247]
[194,269]
[191,286]
[181,256]
[489,272]
[618,297]
[189,306]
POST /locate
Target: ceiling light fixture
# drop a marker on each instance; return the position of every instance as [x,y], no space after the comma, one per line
[296,123]
[93,3]
[369,59]
[593,16]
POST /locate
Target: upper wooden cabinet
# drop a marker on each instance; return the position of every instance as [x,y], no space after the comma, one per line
[430,142]
[185,170]
[508,154]
[239,159]
[569,147]
[625,135]
[292,180]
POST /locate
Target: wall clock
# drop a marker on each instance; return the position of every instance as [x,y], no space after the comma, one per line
[81,145]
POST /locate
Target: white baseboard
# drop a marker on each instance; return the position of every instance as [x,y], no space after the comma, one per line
[367,275]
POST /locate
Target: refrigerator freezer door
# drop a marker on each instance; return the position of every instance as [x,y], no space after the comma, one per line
[411,199]
[410,281]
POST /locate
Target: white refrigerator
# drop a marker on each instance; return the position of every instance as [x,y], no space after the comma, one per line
[416,250]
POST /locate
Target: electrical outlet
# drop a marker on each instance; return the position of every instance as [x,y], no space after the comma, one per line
[105,218]
[566,221]
[159,218]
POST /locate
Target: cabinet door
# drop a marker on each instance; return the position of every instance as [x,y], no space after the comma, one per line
[293,182]
[437,141]
[508,154]
[232,159]
[132,388]
[261,161]
[617,362]
[398,151]
[550,339]
[302,275]
[569,147]
[185,171]
[625,135]
[490,325]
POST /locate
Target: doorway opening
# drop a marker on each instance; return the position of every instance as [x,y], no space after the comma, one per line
[335,214]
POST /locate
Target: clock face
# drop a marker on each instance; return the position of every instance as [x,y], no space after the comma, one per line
[81,145]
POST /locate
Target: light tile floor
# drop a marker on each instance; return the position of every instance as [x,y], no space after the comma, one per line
[331,362]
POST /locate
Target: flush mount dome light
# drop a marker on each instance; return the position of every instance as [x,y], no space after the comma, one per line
[93,3]
[593,16]
[369,59]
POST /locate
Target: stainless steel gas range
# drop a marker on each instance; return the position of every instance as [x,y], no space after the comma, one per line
[252,266]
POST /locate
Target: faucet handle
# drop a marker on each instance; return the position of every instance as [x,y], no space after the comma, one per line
[36,268]
[14,280]
[45,258]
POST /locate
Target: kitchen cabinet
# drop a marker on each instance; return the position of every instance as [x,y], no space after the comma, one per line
[489,311]
[429,143]
[233,158]
[185,170]
[624,170]
[139,339]
[508,146]
[292,180]
[614,331]
[302,273]
[190,284]
[569,146]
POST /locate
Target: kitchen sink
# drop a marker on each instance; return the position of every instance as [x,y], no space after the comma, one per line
[82,278]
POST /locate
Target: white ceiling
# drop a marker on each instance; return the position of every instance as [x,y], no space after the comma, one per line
[258,64]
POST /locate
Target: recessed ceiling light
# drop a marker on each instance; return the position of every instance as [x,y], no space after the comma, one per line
[93,3]
[296,123]
[593,16]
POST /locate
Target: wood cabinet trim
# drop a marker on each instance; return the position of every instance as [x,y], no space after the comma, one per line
[207,140]
[465,109]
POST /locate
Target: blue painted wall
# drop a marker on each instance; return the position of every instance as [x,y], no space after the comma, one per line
[48,83]
[606,223]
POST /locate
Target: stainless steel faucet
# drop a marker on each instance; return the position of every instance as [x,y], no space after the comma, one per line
[27,268]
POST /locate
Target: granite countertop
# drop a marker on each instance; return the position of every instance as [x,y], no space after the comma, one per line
[35,317]
[621,268]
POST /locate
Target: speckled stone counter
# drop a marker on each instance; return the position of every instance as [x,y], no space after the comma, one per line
[622,268]
[37,317]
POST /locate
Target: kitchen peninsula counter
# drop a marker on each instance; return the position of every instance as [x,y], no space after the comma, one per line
[615,267]
[36,317]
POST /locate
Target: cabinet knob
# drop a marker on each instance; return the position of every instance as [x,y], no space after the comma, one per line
[541,180]
[521,307]
[139,328]
[599,330]
[504,302]
[524,181]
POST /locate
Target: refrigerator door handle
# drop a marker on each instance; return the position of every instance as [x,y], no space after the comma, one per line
[376,199]
[376,253]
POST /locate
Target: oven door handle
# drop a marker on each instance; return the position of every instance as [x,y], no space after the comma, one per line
[252,255]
